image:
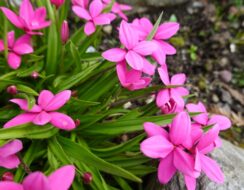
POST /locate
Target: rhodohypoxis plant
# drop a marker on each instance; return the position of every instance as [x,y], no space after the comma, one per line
[86,100]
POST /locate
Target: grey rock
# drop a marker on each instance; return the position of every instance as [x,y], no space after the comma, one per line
[226,97]
[231,160]
[215,98]
[225,75]
[155,3]
[224,61]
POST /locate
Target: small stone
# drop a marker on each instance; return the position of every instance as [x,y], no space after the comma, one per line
[224,61]
[225,75]
[127,105]
[108,29]
[232,48]
[215,98]
[226,97]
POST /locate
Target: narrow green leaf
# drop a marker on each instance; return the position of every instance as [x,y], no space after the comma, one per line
[155,28]
[26,89]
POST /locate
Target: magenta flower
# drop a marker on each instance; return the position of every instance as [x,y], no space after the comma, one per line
[8,157]
[64,32]
[134,52]
[169,147]
[118,8]
[29,19]
[16,49]
[164,32]
[58,3]
[93,16]
[131,79]
[61,179]
[203,118]
[44,112]
[174,94]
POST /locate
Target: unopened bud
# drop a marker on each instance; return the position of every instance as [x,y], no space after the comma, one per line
[77,122]
[57,3]
[87,177]
[7,176]
[65,32]
[35,75]
[12,90]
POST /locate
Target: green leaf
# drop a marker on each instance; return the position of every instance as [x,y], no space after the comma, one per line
[30,99]
[155,28]
[82,154]
[75,55]
[26,89]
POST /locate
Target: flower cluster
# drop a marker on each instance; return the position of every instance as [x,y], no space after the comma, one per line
[184,144]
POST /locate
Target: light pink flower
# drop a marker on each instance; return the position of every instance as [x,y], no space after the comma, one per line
[58,3]
[134,52]
[8,157]
[118,8]
[131,79]
[64,32]
[44,112]
[175,94]
[61,179]
[204,119]
[93,16]
[169,147]
[164,32]
[29,20]
[16,49]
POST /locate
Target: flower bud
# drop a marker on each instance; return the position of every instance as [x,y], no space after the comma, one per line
[7,176]
[87,177]
[12,90]
[35,75]
[57,3]
[65,32]
[77,122]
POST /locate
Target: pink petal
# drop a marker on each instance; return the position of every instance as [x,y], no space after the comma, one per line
[223,122]
[142,83]
[184,162]
[128,35]
[90,28]
[114,55]
[14,60]
[207,139]
[156,147]
[145,48]
[62,178]
[11,39]
[12,17]
[159,54]
[177,97]
[197,164]
[134,60]
[167,30]
[181,128]
[62,121]
[182,91]
[167,48]
[26,11]
[133,76]
[11,148]
[10,186]
[148,68]
[201,118]
[162,97]
[121,72]
[196,132]
[9,162]
[211,169]
[1,45]
[125,7]
[102,19]
[178,79]
[20,120]
[40,26]
[166,169]
[42,118]
[23,104]
[163,73]
[190,182]
[95,8]
[152,130]
[81,12]
[24,39]
[58,100]
[36,181]
[44,98]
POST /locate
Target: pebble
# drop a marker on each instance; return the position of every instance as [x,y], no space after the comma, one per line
[225,75]
[226,97]
[215,98]
[224,61]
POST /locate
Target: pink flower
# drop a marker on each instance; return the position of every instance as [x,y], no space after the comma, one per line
[118,8]
[44,112]
[64,32]
[173,94]
[203,118]
[29,19]
[169,147]
[81,3]
[58,3]
[8,157]
[131,79]
[164,32]
[134,52]
[16,49]
[61,179]
[93,16]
